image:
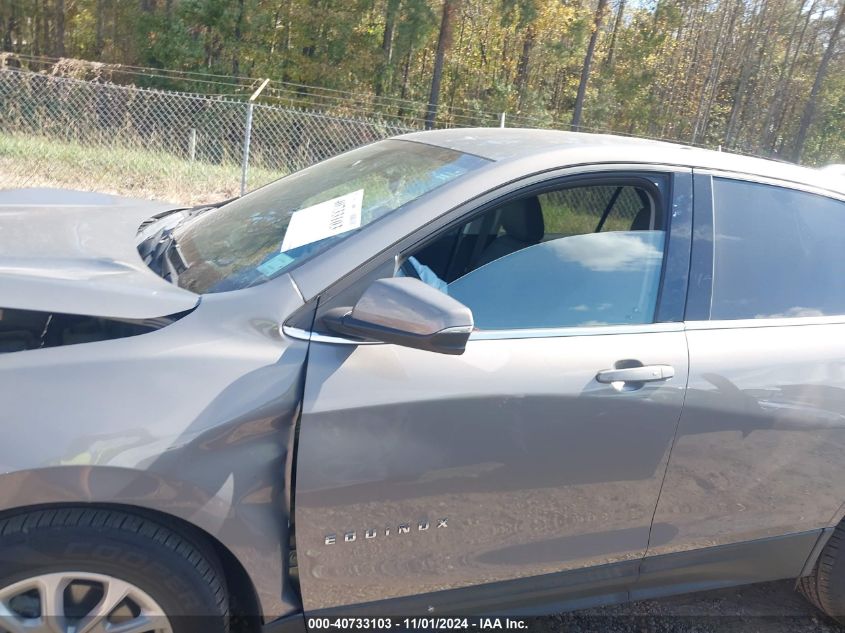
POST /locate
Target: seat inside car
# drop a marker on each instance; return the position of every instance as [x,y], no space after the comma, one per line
[642,221]
[646,219]
[523,226]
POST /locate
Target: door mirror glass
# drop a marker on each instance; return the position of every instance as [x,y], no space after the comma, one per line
[405,311]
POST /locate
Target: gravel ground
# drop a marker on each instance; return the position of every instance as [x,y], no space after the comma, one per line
[763,608]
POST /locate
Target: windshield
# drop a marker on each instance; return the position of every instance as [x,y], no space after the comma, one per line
[259,236]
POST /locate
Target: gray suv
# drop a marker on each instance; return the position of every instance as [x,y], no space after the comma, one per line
[462,371]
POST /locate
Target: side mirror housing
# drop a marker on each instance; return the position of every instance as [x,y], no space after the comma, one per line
[405,311]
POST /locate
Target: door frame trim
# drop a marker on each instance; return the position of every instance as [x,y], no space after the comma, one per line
[776,182]
[496,335]
[596,330]
[727,324]
[700,280]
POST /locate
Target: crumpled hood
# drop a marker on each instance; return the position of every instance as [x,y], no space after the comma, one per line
[75,253]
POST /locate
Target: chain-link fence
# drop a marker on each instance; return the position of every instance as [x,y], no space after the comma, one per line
[61,131]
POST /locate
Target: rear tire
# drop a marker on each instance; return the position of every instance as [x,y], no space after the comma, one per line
[81,555]
[825,587]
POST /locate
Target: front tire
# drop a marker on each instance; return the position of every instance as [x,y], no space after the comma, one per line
[108,570]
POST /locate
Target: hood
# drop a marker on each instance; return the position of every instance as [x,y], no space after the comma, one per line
[75,252]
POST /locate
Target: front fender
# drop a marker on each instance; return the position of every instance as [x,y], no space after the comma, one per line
[255,532]
[195,420]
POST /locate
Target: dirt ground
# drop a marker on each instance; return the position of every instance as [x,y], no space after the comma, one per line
[763,608]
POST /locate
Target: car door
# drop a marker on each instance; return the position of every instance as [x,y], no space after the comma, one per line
[537,452]
[759,444]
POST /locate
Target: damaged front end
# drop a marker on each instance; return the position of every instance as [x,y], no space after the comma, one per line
[71,273]
[22,330]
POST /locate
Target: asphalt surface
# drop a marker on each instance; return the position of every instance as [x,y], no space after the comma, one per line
[763,608]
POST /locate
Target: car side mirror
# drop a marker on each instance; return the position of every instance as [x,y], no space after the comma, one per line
[407,312]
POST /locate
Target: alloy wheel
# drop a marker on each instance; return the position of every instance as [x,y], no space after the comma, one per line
[79,602]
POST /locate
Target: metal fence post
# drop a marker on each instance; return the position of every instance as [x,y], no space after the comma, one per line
[248,134]
[192,144]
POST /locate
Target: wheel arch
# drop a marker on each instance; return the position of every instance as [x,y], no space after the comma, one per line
[239,584]
[256,579]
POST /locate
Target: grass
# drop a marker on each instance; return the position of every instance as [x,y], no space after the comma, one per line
[568,215]
[27,161]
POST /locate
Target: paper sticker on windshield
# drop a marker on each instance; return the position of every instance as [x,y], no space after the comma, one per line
[274,264]
[323,220]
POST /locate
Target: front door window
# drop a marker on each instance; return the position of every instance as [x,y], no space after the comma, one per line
[577,256]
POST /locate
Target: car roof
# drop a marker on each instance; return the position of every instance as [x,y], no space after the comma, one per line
[573,148]
[836,169]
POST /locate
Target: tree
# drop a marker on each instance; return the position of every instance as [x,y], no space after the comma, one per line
[59,13]
[444,42]
[10,27]
[761,76]
[522,66]
[585,71]
[386,44]
[528,10]
[620,12]
[774,113]
[99,35]
[810,107]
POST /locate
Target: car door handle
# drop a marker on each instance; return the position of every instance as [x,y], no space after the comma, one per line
[646,373]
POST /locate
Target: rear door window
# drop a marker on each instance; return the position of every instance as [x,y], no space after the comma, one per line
[778,252]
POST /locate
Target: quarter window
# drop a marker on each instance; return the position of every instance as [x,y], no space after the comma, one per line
[778,252]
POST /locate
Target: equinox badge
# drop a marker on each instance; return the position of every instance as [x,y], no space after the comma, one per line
[371,533]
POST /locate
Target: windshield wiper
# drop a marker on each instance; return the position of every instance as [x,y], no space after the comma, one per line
[161,254]
[188,211]
[160,251]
